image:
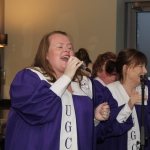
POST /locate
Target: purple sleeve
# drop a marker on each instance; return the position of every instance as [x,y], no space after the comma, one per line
[111,127]
[32,98]
[102,94]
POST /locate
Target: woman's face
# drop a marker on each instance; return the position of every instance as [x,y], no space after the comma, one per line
[134,73]
[59,52]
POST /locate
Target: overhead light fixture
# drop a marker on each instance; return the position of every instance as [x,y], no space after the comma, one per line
[3,40]
[142,4]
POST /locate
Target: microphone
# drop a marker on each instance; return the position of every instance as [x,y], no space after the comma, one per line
[142,78]
[85,68]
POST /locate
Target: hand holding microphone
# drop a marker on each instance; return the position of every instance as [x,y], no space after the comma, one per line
[72,65]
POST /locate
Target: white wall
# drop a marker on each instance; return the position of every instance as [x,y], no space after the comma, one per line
[91,23]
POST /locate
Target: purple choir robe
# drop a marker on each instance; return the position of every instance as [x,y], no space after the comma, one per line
[119,142]
[34,120]
[106,129]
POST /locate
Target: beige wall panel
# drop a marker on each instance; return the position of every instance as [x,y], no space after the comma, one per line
[91,23]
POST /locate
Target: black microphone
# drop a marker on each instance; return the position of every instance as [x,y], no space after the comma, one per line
[85,68]
[142,78]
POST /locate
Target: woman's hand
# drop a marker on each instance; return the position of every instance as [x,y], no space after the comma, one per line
[102,112]
[72,65]
[135,99]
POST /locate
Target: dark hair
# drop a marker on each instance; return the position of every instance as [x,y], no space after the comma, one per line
[41,61]
[83,55]
[110,66]
[129,57]
[107,59]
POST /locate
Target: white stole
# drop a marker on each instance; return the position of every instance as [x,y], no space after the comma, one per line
[122,97]
[68,134]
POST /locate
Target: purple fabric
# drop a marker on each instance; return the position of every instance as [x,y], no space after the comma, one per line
[120,142]
[111,126]
[114,142]
[34,119]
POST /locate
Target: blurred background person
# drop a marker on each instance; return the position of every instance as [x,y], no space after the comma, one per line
[104,72]
[82,54]
[104,68]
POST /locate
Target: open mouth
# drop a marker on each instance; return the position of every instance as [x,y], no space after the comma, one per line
[65,58]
